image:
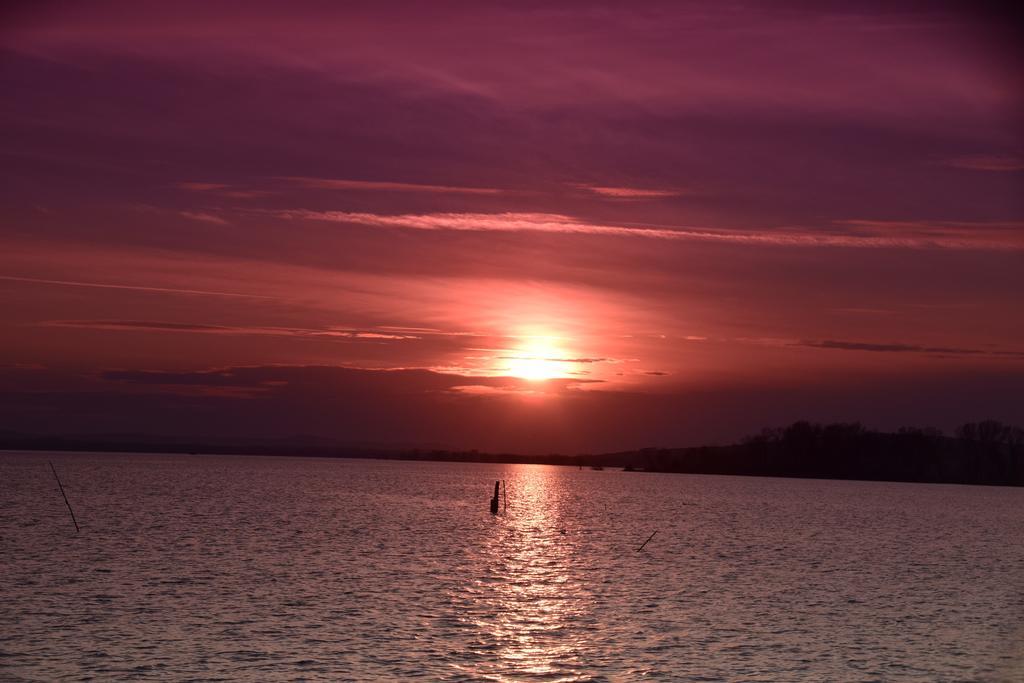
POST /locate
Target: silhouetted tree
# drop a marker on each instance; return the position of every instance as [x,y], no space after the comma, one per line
[986,431]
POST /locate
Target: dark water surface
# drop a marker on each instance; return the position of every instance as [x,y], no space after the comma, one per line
[235,568]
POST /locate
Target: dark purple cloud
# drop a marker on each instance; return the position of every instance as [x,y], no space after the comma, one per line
[424,408]
[906,348]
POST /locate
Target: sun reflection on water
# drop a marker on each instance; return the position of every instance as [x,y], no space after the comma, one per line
[533,603]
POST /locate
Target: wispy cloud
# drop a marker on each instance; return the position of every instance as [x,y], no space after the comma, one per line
[201,187]
[161,326]
[373,185]
[558,360]
[853,234]
[223,190]
[629,192]
[906,348]
[1008,235]
[276,377]
[139,325]
[204,217]
[987,162]
[640,60]
[137,288]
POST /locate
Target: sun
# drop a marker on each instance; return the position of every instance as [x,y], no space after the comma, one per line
[534,369]
[537,359]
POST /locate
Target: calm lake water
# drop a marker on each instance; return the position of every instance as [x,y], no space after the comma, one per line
[252,568]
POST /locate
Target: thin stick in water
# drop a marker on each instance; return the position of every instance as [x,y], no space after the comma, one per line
[647,541]
[61,486]
[504,493]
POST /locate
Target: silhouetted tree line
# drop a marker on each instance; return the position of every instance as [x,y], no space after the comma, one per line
[987,452]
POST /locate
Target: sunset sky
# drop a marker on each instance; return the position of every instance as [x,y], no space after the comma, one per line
[509,226]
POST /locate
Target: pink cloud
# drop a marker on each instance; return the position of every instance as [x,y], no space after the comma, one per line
[994,235]
[204,217]
[866,234]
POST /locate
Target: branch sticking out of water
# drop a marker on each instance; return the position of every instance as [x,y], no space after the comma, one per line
[647,541]
[61,487]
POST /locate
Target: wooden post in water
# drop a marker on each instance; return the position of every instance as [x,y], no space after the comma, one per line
[61,487]
[504,494]
[494,501]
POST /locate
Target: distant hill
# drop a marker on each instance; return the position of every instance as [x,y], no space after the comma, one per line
[987,452]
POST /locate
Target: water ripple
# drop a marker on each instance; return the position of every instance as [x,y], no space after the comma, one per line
[224,568]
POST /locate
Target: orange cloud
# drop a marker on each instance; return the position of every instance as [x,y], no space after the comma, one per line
[630,192]
[983,162]
[338,184]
